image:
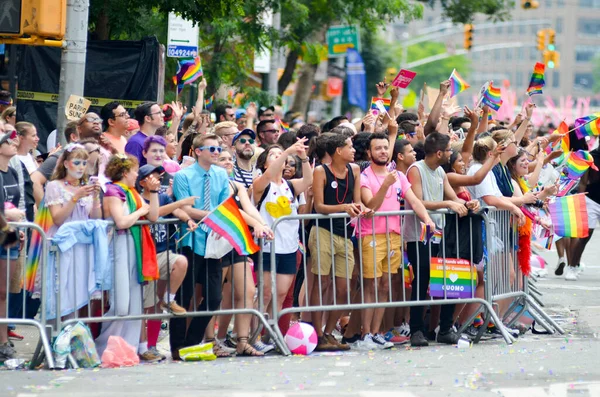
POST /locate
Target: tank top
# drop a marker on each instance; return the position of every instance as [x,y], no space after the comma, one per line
[432,184]
[338,191]
[280,202]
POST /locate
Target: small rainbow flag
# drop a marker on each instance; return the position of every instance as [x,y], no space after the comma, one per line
[569,216]
[492,97]
[537,79]
[285,127]
[188,71]
[227,221]
[43,218]
[564,143]
[457,84]
[208,102]
[577,164]
[587,126]
[386,102]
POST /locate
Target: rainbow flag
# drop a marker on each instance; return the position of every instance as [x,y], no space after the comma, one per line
[569,216]
[209,102]
[587,126]
[537,80]
[386,102]
[43,219]
[457,84]
[563,143]
[188,71]
[492,97]
[460,281]
[577,164]
[227,221]
[285,127]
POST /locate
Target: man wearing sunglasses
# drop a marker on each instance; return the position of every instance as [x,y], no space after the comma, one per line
[244,144]
[116,121]
[268,132]
[150,117]
[210,185]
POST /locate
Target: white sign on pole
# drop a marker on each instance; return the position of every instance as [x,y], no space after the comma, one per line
[182,38]
[262,59]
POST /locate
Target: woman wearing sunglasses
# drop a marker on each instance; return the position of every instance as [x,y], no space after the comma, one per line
[71,197]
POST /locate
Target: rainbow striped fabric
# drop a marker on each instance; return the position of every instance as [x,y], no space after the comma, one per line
[492,97]
[537,80]
[460,278]
[577,164]
[188,71]
[43,219]
[386,102]
[209,102]
[457,84]
[588,126]
[227,221]
[285,127]
[563,143]
[569,216]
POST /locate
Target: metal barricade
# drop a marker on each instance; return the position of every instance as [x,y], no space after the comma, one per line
[452,259]
[20,308]
[505,280]
[198,272]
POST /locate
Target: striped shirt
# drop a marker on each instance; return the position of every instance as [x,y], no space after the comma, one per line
[242,176]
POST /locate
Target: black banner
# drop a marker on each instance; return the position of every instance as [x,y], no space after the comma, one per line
[115,70]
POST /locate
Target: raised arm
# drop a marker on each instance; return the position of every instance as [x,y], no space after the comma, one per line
[436,110]
[520,133]
[467,148]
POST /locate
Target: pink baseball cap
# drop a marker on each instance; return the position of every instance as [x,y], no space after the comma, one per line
[132,125]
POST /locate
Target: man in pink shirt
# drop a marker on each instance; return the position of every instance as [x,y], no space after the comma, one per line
[115,121]
[382,190]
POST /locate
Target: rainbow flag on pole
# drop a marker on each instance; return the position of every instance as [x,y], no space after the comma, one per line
[227,221]
[577,164]
[569,216]
[492,97]
[188,71]
[588,126]
[34,257]
[457,84]
[537,80]
[386,102]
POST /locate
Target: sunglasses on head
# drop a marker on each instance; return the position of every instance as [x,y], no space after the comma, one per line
[243,141]
[212,149]
[77,163]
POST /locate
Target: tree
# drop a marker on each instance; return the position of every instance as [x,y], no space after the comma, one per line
[463,11]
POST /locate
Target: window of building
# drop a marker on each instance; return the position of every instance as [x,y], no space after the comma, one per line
[589,27]
[509,54]
[519,82]
[509,29]
[555,79]
[520,53]
[559,25]
[533,54]
[560,3]
[548,3]
[589,3]
[475,55]
[499,30]
[586,53]
[534,29]
[584,81]
[522,29]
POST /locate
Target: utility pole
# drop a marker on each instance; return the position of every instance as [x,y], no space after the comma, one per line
[72,61]
[336,103]
[273,77]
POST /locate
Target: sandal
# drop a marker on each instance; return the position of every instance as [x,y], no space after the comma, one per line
[248,350]
[217,350]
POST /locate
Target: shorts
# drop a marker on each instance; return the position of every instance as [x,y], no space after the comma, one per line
[593,212]
[14,253]
[233,257]
[285,263]
[341,253]
[382,254]
[163,265]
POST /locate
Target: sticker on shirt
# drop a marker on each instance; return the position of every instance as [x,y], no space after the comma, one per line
[281,207]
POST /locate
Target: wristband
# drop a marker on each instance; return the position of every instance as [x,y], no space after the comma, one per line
[153,191]
[74,200]
[305,160]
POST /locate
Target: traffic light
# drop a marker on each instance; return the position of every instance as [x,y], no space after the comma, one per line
[551,39]
[529,4]
[552,59]
[468,44]
[541,40]
[35,18]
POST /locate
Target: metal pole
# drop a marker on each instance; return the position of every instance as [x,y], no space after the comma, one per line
[72,61]
[336,104]
[273,77]
[12,69]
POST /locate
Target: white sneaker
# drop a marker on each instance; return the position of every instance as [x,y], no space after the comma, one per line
[263,347]
[224,347]
[404,330]
[381,342]
[367,343]
[570,273]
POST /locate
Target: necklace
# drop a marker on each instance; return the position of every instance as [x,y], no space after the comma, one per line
[336,187]
[388,194]
[67,183]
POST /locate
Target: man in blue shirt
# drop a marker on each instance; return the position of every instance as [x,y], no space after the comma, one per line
[150,117]
[210,185]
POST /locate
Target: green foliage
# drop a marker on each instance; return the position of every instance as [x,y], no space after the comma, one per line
[463,11]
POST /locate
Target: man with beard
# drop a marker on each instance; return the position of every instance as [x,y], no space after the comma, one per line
[382,190]
[430,184]
[243,142]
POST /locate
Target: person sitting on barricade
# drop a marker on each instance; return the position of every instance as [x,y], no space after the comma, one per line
[132,250]
[172,267]
[275,198]
[336,189]
[430,184]
[380,238]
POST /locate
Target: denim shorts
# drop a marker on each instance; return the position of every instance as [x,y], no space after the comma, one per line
[285,263]
[14,253]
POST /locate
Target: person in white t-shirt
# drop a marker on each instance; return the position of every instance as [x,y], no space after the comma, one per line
[28,141]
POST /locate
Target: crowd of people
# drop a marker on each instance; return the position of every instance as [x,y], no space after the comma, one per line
[162,162]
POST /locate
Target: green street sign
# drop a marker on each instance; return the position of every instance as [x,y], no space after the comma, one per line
[340,38]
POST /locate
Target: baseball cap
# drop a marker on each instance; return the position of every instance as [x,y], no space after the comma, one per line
[240,113]
[264,109]
[4,137]
[246,131]
[132,125]
[146,170]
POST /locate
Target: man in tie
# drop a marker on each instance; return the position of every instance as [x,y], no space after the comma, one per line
[210,185]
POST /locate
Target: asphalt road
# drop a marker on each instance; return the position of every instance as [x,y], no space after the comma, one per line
[535,366]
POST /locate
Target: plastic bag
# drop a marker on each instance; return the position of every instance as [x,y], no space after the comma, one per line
[216,246]
[76,340]
[119,353]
